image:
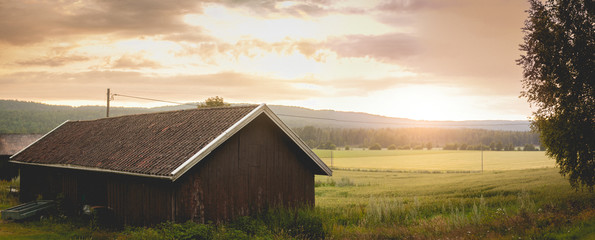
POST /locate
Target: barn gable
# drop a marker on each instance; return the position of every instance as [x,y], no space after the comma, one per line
[158,145]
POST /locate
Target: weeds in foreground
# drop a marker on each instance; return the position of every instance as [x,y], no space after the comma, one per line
[507,208]
[9,193]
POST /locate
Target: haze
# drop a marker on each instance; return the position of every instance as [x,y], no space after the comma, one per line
[426,59]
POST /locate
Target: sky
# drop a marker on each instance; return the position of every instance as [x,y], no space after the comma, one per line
[418,59]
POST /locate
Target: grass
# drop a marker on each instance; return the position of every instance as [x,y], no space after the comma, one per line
[435,160]
[533,203]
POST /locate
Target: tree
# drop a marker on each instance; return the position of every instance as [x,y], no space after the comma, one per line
[215,101]
[529,147]
[392,147]
[376,146]
[499,146]
[429,145]
[558,79]
[328,146]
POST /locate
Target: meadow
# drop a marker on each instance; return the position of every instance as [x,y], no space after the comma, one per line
[409,195]
[435,160]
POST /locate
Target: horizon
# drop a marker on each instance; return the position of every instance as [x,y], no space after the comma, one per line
[422,60]
[165,105]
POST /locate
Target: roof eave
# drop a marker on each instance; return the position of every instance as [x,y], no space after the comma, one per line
[76,167]
[48,133]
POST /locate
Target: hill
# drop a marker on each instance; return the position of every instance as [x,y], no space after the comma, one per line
[301,117]
[32,117]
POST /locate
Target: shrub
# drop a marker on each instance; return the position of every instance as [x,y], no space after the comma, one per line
[392,147]
[187,230]
[248,225]
[451,147]
[404,147]
[376,146]
[529,147]
[328,145]
[303,223]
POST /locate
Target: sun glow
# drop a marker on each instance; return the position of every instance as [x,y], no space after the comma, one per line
[233,25]
[423,102]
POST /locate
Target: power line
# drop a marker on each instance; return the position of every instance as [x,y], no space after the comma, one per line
[334,119]
[156,100]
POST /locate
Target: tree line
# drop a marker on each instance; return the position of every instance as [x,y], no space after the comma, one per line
[416,138]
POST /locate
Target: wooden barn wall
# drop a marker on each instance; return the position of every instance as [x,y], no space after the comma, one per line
[8,170]
[133,200]
[140,201]
[257,168]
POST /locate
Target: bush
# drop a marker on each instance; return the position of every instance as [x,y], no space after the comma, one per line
[188,230]
[299,223]
[392,147]
[529,147]
[404,147]
[451,147]
[376,146]
[464,146]
[328,145]
[248,225]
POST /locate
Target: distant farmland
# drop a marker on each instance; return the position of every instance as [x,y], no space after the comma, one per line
[435,160]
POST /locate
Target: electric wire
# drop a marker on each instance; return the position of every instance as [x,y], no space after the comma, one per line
[437,123]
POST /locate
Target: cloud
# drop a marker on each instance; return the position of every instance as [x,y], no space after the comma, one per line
[284,8]
[54,61]
[25,22]
[134,61]
[383,48]
[389,47]
[91,85]
[401,6]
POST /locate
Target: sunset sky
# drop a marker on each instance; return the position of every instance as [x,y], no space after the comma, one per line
[425,59]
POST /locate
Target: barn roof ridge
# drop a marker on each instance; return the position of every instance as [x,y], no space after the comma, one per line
[164,112]
[153,161]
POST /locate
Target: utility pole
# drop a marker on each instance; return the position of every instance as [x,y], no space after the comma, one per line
[108,98]
[331,158]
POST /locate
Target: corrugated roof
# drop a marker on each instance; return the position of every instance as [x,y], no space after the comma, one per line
[164,144]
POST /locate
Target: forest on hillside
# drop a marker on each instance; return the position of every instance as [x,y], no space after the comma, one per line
[415,138]
[18,117]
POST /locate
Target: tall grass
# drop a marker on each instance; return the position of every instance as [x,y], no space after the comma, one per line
[537,204]
[416,205]
[9,192]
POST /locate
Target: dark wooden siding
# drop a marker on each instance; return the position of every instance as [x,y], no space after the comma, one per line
[8,170]
[133,200]
[140,201]
[257,168]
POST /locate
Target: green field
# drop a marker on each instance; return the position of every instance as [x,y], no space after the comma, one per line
[435,160]
[535,203]
[391,195]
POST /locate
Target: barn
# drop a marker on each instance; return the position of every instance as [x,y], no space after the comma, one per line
[9,145]
[210,164]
